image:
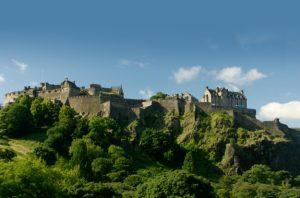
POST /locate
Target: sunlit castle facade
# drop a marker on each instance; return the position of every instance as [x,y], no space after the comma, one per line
[221,97]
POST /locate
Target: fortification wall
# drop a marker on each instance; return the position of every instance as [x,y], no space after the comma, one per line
[50,94]
[171,105]
[208,108]
[11,97]
[110,97]
[132,103]
[87,105]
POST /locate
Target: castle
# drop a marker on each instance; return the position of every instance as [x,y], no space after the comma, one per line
[221,97]
[110,102]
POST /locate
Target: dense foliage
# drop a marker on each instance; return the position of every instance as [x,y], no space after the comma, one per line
[164,155]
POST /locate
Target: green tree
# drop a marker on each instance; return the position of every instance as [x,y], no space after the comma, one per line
[155,143]
[60,135]
[44,111]
[158,95]
[15,120]
[82,128]
[176,184]
[104,131]
[45,153]
[79,157]
[28,177]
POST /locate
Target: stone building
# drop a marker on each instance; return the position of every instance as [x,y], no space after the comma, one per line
[221,97]
[94,100]
[110,102]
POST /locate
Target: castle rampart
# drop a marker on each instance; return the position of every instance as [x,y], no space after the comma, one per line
[98,100]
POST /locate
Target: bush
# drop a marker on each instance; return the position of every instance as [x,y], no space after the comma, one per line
[122,163]
[115,151]
[221,119]
[133,180]
[263,174]
[117,176]
[196,161]
[175,184]
[92,190]
[6,154]
[45,153]
[100,167]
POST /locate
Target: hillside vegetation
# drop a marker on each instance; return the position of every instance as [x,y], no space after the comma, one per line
[47,150]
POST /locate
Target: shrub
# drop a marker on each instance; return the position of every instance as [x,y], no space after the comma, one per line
[45,153]
[133,180]
[220,120]
[122,163]
[101,166]
[6,154]
[175,184]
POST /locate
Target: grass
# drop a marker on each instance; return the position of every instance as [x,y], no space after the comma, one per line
[24,145]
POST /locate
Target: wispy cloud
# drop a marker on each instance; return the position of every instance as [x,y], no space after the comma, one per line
[21,65]
[185,74]
[235,77]
[248,40]
[146,93]
[287,111]
[127,62]
[2,78]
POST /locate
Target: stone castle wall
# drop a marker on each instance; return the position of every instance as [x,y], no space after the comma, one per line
[86,105]
[208,108]
[54,94]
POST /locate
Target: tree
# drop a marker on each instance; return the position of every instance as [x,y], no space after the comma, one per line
[28,177]
[67,118]
[104,131]
[45,153]
[58,140]
[44,111]
[155,143]
[16,120]
[79,157]
[60,135]
[82,128]
[159,95]
[176,184]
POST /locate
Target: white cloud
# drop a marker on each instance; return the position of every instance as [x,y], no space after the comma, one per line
[22,66]
[185,74]
[147,93]
[127,62]
[235,77]
[2,79]
[287,111]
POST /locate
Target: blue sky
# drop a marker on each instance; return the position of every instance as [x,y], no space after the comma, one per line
[150,46]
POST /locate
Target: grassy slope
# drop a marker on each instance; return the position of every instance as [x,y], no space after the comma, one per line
[25,144]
